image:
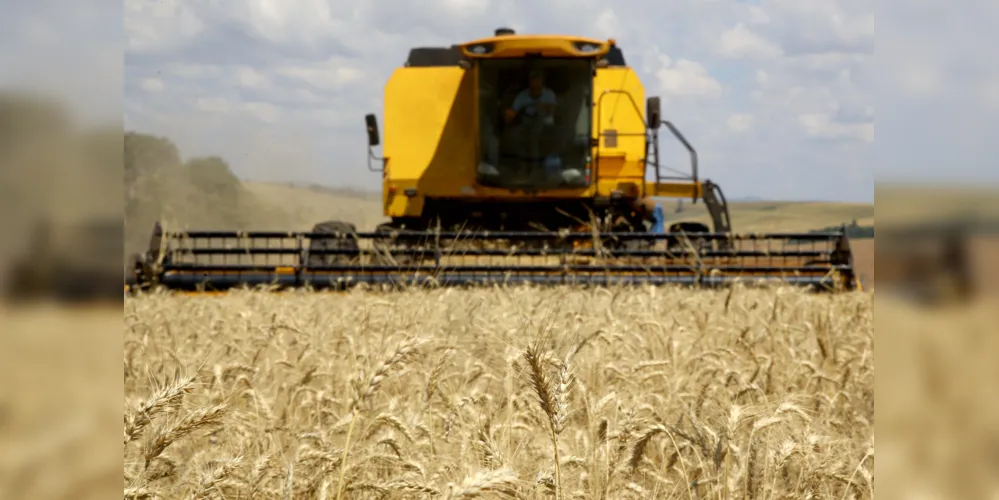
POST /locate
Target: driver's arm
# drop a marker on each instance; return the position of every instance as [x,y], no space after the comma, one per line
[509,114]
[518,104]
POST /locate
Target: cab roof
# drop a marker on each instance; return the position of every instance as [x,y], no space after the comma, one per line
[507,44]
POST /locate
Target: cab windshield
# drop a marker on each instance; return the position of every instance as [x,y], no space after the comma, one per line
[535,123]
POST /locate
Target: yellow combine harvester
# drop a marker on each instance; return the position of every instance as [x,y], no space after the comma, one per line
[512,159]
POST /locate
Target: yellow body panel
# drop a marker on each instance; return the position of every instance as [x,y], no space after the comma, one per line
[430,136]
[619,106]
[674,189]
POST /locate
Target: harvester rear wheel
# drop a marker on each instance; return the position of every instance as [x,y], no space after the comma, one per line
[344,242]
[686,242]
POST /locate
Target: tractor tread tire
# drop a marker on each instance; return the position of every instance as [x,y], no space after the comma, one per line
[347,242]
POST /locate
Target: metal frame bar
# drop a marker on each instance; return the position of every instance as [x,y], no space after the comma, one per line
[503,235]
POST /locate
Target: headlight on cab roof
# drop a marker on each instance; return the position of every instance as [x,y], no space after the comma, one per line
[481,48]
[586,46]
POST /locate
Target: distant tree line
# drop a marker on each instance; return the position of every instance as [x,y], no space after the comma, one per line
[160,186]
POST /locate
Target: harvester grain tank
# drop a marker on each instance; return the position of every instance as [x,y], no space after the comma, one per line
[513,158]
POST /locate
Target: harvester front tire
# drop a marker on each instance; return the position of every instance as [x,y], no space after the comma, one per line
[345,242]
[686,242]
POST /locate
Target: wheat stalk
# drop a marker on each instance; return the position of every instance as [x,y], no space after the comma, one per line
[643,392]
[402,353]
[502,481]
[553,398]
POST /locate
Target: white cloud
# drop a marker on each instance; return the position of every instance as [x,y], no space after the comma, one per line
[251,78]
[153,85]
[741,43]
[822,125]
[822,25]
[262,111]
[828,62]
[606,24]
[465,8]
[920,80]
[160,26]
[332,73]
[990,93]
[304,22]
[193,71]
[757,15]
[740,122]
[686,78]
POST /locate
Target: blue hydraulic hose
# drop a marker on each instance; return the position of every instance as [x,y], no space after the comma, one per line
[659,220]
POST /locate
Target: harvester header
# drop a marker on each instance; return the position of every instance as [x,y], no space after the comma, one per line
[513,158]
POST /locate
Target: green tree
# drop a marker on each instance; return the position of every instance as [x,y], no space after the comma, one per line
[145,154]
[212,175]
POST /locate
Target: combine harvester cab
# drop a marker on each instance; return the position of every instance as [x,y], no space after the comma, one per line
[512,159]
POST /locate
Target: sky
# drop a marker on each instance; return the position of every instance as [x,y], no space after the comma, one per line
[778,96]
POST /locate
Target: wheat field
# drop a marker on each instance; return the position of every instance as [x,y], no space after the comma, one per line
[500,393]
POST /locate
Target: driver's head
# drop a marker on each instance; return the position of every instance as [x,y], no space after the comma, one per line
[537,80]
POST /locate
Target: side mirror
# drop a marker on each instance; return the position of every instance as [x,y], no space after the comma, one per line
[372,125]
[653,112]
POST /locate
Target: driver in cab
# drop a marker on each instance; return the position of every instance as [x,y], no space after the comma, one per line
[534,109]
[536,101]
